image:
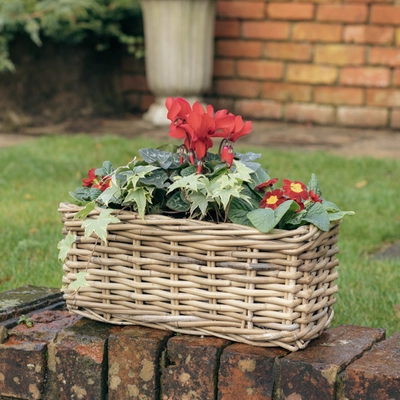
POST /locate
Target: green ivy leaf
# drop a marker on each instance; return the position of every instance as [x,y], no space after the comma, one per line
[64,245]
[262,219]
[99,225]
[80,281]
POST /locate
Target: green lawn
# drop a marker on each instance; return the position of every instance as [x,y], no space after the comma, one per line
[38,175]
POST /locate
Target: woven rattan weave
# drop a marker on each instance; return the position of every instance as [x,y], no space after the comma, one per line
[201,278]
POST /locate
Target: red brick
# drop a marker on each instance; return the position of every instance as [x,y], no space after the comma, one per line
[239,48]
[247,372]
[134,83]
[317,32]
[362,117]
[22,369]
[383,97]
[395,119]
[384,56]
[315,371]
[259,109]
[240,9]
[385,14]
[259,69]
[288,51]
[376,375]
[310,73]
[396,77]
[290,11]
[46,325]
[286,91]
[236,87]
[314,113]
[266,30]
[339,54]
[339,95]
[81,361]
[365,76]
[192,367]
[368,34]
[227,29]
[136,376]
[342,12]
[223,67]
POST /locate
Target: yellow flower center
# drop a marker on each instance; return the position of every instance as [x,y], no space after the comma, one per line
[296,187]
[272,200]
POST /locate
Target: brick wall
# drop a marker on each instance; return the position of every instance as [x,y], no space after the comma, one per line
[332,62]
[68,357]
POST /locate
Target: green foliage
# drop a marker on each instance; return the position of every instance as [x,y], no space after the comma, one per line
[80,281]
[23,319]
[160,183]
[68,21]
[64,245]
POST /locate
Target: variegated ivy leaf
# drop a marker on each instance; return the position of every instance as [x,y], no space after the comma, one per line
[244,173]
[138,196]
[200,201]
[80,281]
[82,214]
[111,195]
[248,158]
[192,183]
[64,245]
[99,225]
[225,195]
[142,170]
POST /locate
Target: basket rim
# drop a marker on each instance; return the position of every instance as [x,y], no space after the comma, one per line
[152,219]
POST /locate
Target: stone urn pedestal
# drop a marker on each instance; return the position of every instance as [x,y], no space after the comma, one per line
[179,45]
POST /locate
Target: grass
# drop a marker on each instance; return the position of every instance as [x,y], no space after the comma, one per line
[37,176]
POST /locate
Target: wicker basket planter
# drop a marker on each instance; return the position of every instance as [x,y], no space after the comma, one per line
[202,278]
